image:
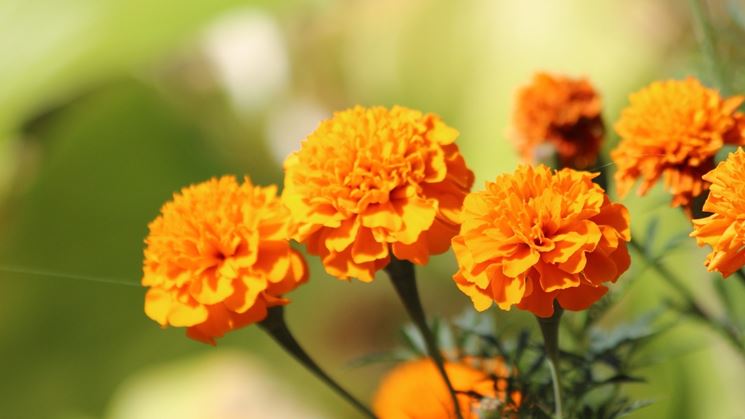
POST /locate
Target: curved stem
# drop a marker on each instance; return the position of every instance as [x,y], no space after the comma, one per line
[669,277]
[403,278]
[550,330]
[694,307]
[276,327]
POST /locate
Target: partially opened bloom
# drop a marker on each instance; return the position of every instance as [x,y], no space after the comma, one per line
[562,112]
[724,229]
[672,130]
[415,390]
[371,182]
[536,236]
[218,256]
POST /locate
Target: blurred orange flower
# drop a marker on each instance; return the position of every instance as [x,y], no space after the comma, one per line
[217,256]
[724,229]
[535,236]
[415,390]
[563,112]
[371,181]
[673,129]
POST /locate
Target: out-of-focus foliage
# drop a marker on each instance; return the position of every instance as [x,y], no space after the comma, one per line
[597,362]
[52,50]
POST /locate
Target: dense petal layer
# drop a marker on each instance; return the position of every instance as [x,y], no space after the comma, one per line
[217,256]
[672,130]
[562,112]
[724,229]
[536,236]
[371,181]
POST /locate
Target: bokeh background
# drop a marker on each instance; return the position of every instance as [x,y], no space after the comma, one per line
[107,107]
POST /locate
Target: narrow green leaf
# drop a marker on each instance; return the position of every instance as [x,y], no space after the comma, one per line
[724,295]
[413,339]
[633,407]
[736,9]
[649,237]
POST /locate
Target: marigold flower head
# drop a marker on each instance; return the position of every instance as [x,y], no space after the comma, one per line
[374,181]
[415,390]
[536,236]
[563,112]
[218,256]
[672,129]
[724,229]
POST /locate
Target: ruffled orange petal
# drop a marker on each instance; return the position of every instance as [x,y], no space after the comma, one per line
[377,180]
[217,255]
[581,297]
[672,130]
[536,234]
[724,230]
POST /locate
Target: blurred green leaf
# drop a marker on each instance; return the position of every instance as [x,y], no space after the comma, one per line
[413,339]
[633,407]
[736,9]
[52,50]
[602,341]
[673,243]
[110,161]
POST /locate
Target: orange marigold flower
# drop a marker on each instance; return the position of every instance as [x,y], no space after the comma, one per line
[217,256]
[371,181]
[724,229]
[563,112]
[415,390]
[673,129]
[536,236]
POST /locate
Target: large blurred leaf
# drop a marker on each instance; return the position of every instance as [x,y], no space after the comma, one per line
[111,159]
[52,49]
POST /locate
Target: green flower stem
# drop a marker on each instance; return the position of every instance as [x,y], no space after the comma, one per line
[550,330]
[694,308]
[276,327]
[697,206]
[403,278]
[705,38]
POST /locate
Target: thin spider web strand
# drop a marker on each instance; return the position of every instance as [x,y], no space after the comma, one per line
[112,281]
[39,272]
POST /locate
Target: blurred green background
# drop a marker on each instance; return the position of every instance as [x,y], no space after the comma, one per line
[109,106]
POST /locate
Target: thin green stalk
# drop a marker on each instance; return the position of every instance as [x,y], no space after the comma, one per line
[694,307]
[403,278]
[707,42]
[276,327]
[550,330]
